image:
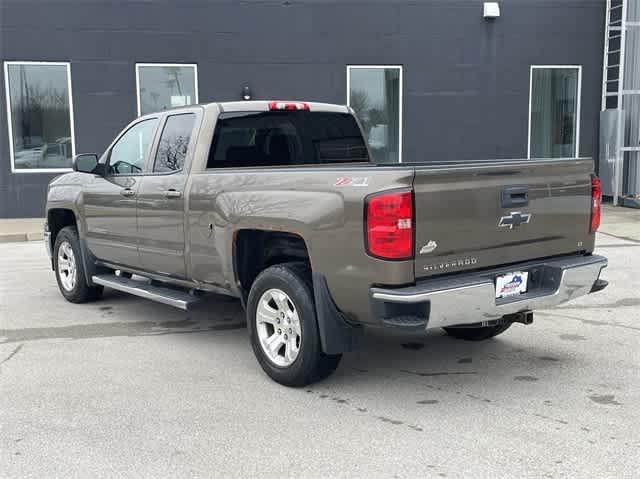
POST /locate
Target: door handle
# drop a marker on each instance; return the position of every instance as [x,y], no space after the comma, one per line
[127,192]
[172,194]
[513,196]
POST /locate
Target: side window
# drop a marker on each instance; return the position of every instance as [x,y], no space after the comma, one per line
[130,151]
[172,149]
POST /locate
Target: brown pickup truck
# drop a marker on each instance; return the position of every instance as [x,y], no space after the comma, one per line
[279,204]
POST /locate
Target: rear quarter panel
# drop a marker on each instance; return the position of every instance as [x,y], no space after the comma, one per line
[318,203]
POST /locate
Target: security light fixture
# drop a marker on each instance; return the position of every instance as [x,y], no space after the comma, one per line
[246,93]
[491,10]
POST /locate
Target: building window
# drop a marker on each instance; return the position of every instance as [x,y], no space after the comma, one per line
[554,111]
[40,116]
[375,94]
[161,85]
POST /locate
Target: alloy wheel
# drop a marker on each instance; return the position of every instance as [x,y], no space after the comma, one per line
[278,327]
[67,268]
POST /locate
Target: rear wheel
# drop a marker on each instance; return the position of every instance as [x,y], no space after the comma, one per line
[283,327]
[69,268]
[477,334]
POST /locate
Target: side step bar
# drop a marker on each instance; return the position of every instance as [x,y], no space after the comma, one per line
[172,297]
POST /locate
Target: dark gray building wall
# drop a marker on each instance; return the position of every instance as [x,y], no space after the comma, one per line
[466,80]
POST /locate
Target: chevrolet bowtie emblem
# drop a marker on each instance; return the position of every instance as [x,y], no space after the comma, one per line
[514,219]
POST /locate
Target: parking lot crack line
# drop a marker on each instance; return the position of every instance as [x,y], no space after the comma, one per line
[588,321]
[625,238]
[444,373]
[12,354]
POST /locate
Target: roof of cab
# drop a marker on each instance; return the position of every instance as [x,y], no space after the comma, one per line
[263,105]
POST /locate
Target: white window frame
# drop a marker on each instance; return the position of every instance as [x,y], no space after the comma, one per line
[195,75]
[578,108]
[400,96]
[9,117]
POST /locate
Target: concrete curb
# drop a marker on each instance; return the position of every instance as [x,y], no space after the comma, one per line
[20,237]
[21,229]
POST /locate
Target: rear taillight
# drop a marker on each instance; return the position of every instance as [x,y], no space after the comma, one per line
[389,225]
[596,203]
[288,105]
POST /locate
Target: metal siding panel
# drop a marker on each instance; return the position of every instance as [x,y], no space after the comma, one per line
[466,81]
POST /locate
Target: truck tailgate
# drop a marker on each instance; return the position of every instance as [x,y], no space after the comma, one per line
[476,216]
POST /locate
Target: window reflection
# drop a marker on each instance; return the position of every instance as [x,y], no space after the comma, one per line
[554,110]
[165,86]
[129,153]
[172,150]
[374,94]
[40,122]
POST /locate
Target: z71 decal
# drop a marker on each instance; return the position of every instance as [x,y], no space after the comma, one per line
[348,181]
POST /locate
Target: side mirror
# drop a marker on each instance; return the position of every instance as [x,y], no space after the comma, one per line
[85,163]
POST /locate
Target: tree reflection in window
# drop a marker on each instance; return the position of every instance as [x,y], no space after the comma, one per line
[161,87]
[40,115]
[174,143]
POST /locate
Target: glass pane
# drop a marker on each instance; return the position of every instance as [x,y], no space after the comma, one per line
[163,87]
[554,103]
[172,149]
[374,94]
[633,10]
[631,122]
[129,153]
[40,116]
[632,59]
[631,176]
[286,138]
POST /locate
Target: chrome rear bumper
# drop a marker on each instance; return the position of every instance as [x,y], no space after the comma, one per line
[470,298]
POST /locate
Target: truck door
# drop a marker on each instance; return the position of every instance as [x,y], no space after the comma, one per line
[161,197]
[110,200]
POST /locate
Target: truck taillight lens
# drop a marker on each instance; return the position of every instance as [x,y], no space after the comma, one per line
[389,225]
[288,105]
[596,203]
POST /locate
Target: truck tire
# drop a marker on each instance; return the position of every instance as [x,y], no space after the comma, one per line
[477,334]
[69,268]
[282,323]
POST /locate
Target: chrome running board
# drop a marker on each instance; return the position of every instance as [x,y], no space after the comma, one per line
[161,294]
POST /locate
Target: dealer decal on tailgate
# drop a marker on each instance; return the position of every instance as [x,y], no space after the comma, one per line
[511,284]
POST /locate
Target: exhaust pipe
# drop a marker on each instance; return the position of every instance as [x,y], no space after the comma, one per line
[523,317]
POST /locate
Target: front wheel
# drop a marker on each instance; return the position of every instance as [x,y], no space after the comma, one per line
[284,331]
[477,334]
[70,274]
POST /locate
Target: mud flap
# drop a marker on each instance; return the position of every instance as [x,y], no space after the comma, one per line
[91,269]
[336,335]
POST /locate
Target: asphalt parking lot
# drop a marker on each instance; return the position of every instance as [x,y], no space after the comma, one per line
[127,387]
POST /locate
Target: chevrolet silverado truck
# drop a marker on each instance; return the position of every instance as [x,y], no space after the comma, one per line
[280,205]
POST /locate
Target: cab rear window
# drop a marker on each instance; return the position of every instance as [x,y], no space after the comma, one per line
[280,138]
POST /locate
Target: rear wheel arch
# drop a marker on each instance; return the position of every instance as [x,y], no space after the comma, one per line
[254,250]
